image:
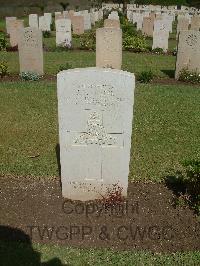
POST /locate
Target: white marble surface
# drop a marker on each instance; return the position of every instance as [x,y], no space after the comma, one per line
[95,110]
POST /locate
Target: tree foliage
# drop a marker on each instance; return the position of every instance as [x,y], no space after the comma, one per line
[162,2]
[195,3]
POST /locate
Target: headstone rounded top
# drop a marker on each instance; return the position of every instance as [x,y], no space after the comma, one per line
[95,69]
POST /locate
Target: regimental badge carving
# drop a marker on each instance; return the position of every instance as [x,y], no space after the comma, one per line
[96,133]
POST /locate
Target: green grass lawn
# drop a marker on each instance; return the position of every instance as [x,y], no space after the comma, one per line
[25,255]
[161,65]
[166,129]
[172,43]
[165,132]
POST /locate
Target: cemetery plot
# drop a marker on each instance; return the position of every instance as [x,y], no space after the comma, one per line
[93,225]
[88,141]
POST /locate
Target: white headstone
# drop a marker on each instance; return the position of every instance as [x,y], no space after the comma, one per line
[61,16]
[63,32]
[33,20]
[188,55]
[77,13]
[138,19]
[93,18]
[57,13]
[87,21]
[113,15]
[48,17]
[168,21]
[95,110]
[15,27]
[66,14]
[109,48]
[195,23]
[96,15]
[100,14]
[31,50]
[129,15]
[146,14]
[8,21]
[183,24]
[44,24]
[160,35]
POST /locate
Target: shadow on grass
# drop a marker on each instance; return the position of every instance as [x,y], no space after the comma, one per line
[176,184]
[169,72]
[16,249]
[185,185]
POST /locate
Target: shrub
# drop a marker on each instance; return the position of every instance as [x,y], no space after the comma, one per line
[88,41]
[99,24]
[46,34]
[174,51]
[186,184]
[105,14]
[163,2]
[123,20]
[75,36]
[145,76]
[135,43]
[158,51]
[3,69]
[52,26]
[65,66]
[30,76]
[129,30]
[192,177]
[3,41]
[189,76]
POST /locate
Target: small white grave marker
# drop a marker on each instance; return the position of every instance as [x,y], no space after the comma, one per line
[63,32]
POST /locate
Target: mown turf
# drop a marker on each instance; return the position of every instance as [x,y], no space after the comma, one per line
[27,255]
[166,129]
[161,65]
[29,127]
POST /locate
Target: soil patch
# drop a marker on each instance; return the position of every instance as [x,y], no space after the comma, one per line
[18,78]
[171,81]
[159,81]
[147,220]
